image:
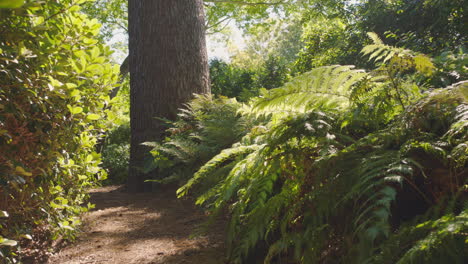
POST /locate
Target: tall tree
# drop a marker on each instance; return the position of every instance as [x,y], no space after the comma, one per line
[168,64]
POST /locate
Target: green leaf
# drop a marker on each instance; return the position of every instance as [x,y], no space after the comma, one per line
[38,20]
[75,110]
[89,158]
[75,8]
[71,85]
[93,117]
[4,214]
[95,52]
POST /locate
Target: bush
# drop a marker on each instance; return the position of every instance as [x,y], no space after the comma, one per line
[116,154]
[231,80]
[54,78]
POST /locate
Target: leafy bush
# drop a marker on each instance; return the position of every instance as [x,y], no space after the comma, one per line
[55,78]
[231,80]
[350,163]
[325,41]
[228,80]
[116,154]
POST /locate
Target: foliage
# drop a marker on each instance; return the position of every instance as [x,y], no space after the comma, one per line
[116,154]
[115,146]
[433,241]
[429,26]
[325,41]
[347,162]
[331,83]
[451,67]
[229,80]
[112,14]
[275,38]
[273,73]
[204,127]
[433,27]
[55,78]
[232,80]
[310,34]
[250,13]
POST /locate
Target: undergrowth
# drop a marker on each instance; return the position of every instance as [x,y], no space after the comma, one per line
[340,166]
[204,127]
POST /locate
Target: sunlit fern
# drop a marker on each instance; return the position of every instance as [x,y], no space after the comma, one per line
[319,179]
[321,88]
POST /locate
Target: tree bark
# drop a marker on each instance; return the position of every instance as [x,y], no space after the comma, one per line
[168,64]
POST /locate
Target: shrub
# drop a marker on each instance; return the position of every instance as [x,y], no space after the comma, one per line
[242,83]
[116,154]
[54,83]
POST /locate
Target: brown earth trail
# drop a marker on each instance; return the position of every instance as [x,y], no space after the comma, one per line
[145,228]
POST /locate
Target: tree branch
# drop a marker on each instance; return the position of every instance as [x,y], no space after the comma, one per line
[208,32]
[246,3]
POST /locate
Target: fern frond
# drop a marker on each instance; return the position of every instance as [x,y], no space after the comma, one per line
[435,241]
[398,57]
[375,38]
[325,88]
[214,163]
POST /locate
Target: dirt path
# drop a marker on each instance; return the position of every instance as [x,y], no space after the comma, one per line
[142,228]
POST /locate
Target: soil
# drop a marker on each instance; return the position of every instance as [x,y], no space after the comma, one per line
[154,228]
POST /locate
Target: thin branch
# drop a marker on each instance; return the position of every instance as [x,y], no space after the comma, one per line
[245,3]
[121,26]
[227,18]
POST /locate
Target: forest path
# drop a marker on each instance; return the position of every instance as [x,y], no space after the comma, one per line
[145,228]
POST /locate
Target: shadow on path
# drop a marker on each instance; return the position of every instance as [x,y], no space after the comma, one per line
[148,228]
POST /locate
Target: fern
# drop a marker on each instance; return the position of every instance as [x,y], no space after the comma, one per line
[402,59]
[434,241]
[393,82]
[323,88]
[332,159]
[204,127]
[214,163]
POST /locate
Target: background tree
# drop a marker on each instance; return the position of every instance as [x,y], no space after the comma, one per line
[168,64]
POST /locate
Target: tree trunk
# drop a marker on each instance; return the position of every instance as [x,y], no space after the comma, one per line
[168,64]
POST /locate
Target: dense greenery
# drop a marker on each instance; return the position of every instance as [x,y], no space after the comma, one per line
[205,127]
[310,159]
[341,166]
[54,83]
[116,154]
[312,34]
[243,83]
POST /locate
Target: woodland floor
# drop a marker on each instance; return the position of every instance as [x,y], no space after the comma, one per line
[147,228]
